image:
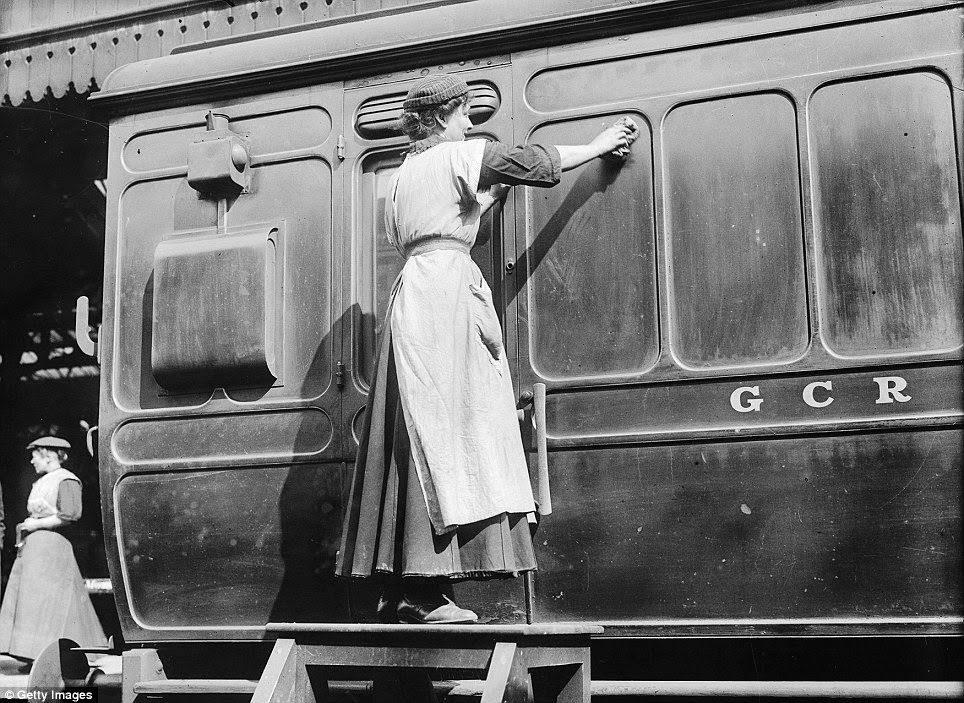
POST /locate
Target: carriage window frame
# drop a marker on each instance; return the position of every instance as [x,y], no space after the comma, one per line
[795,246]
[822,260]
[650,245]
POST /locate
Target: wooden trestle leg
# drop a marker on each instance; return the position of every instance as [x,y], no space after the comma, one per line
[285,678]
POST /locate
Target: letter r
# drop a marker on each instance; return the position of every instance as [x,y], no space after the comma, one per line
[890,388]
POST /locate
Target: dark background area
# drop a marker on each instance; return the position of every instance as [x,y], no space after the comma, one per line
[51,251]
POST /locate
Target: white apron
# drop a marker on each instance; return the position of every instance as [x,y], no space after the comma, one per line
[42,501]
[453,377]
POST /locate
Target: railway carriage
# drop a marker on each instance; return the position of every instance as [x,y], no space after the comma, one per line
[749,331]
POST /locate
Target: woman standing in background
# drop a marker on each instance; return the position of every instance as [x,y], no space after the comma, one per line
[46,599]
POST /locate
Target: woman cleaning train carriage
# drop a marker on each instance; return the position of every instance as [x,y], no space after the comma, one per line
[441,489]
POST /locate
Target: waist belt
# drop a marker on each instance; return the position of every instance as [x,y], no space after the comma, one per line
[422,246]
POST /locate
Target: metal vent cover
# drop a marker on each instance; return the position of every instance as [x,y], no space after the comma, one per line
[377,117]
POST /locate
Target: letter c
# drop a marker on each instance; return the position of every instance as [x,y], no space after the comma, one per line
[808,394]
[744,405]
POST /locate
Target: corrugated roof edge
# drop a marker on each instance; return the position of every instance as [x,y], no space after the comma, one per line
[424,35]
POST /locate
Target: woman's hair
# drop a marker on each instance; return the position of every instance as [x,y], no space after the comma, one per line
[421,123]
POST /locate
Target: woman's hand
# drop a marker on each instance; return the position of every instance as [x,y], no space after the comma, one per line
[619,136]
[613,140]
[32,524]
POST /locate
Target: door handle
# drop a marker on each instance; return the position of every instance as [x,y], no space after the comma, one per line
[82,327]
[538,399]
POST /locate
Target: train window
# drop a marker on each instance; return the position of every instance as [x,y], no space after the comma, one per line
[734,232]
[377,263]
[888,215]
[591,258]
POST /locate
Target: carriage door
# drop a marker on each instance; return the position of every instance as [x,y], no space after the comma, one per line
[221,419]
[375,147]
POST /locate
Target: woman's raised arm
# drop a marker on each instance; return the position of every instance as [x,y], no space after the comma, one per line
[618,136]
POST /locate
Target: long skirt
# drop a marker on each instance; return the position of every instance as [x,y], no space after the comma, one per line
[387,529]
[46,599]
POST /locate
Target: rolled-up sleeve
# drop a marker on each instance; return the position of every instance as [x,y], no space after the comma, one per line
[529,165]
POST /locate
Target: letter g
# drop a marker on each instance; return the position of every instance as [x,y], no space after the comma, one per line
[746,405]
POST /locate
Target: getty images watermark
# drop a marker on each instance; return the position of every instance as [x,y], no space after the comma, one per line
[44,695]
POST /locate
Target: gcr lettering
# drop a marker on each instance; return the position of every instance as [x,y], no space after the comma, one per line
[819,394]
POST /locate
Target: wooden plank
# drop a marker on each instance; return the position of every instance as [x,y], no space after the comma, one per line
[4,71]
[17,75]
[104,55]
[38,72]
[171,36]
[931,690]
[189,686]
[407,656]
[432,631]
[126,47]
[291,14]
[190,29]
[552,655]
[509,677]
[500,668]
[316,10]
[82,64]
[61,69]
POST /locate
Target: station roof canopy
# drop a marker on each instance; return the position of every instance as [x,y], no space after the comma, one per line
[72,45]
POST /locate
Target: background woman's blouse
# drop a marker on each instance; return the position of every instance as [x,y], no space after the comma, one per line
[69,500]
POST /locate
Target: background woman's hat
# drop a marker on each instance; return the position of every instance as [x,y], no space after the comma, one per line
[435,90]
[49,443]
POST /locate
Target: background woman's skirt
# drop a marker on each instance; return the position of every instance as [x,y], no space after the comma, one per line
[46,599]
[387,528]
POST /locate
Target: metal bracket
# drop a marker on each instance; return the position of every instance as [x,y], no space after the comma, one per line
[82,328]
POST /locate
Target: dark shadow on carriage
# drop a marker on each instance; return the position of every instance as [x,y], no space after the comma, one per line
[593,179]
[310,512]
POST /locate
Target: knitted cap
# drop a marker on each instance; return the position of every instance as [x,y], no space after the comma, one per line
[435,90]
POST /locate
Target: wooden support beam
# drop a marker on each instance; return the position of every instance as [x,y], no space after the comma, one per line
[507,679]
[285,679]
